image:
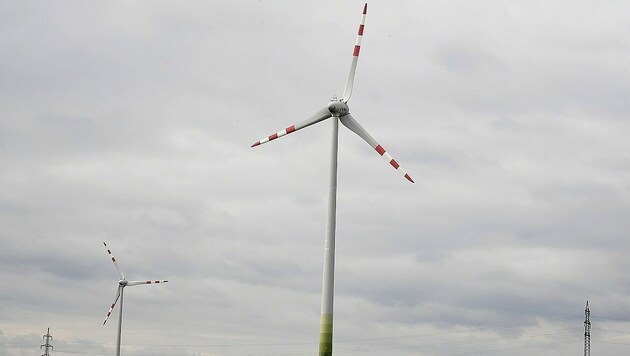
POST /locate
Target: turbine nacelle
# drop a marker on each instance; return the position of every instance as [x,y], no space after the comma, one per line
[123,282]
[338,108]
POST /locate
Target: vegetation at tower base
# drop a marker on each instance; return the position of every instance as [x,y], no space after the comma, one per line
[325,335]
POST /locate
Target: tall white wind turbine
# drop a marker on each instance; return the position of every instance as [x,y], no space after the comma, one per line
[337,110]
[122,283]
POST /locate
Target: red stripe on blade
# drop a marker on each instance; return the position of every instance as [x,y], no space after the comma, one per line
[273,137]
[290,129]
[365,9]
[256,144]
[394,164]
[380,150]
[409,178]
[356,51]
[361,30]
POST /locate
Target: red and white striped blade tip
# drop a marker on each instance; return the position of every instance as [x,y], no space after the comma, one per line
[120,272]
[135,283]
[111,308]
[323,114]
[274,136]
[108,314]
[381,151]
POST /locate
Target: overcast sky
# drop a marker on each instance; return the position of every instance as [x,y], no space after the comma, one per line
[131,123]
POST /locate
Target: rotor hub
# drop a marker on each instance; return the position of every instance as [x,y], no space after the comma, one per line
[123,282]
[338,108]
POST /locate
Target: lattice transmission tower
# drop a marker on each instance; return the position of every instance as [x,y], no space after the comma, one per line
[47,346]
[587,331]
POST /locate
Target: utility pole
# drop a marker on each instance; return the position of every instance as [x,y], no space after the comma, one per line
[587,331]
[47,346]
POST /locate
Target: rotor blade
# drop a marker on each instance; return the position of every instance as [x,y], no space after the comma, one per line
[122,275]
[347,92]
[113,304]
[317,117]
[135,283]
[353,125]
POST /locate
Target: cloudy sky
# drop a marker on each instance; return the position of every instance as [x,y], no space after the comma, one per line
[131,123]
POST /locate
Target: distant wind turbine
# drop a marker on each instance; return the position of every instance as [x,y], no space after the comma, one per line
[339,111]
[122,283]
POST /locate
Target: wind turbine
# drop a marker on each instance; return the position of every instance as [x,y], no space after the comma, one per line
[122,283]
[338,110]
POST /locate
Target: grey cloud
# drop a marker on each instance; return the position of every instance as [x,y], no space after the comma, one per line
[131,124]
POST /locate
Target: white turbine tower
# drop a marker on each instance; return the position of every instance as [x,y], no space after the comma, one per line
[337,110]
[122,283]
